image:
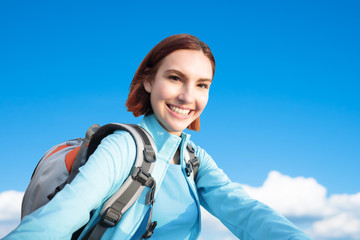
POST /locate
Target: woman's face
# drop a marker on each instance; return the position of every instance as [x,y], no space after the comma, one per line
[180,90]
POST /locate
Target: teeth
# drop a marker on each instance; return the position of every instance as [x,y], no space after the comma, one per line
[179,110]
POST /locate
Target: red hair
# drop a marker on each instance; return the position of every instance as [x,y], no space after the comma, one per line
[138,101]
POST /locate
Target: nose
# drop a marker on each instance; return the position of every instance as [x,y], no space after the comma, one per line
[186,94]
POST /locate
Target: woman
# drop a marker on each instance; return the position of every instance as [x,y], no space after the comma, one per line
[171,88]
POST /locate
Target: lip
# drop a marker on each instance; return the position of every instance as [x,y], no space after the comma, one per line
[185,108]
[178,115]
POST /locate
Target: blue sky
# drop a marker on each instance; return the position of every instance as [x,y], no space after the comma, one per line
[285,96]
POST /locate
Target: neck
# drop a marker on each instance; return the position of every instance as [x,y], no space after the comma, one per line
[176,158]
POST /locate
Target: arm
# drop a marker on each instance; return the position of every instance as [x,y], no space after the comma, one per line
[105,170]
[244,216]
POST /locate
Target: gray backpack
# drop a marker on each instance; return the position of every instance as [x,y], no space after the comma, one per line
[60,165]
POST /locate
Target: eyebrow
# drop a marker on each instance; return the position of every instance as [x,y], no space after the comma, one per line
[182,75]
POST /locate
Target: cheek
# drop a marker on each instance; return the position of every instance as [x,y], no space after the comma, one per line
[166,92]
[202,101]
[159,94]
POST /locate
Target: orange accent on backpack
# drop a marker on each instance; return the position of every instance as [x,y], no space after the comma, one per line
[58,149]
[70,158]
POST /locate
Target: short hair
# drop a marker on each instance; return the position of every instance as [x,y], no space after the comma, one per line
[138,101]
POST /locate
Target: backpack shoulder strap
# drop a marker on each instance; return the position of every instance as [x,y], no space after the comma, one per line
[140,177]
[192,162]
[79,156]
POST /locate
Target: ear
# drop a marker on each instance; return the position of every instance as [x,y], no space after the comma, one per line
[148,85]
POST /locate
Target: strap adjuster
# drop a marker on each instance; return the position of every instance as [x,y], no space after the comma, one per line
[190,148]
[149,154]
[150,230]
[111,217]
[150,196]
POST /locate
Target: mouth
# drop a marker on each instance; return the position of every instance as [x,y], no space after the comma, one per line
[179,111]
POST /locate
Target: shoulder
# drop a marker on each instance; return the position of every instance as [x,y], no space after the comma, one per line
[209,174]
[119,138]
[197,148]
[119,142]
[120,146]
[206,161]
[115,155]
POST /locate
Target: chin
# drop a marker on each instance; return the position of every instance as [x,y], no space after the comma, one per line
[177,129]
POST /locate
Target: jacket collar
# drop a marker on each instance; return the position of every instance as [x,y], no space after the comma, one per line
[163,139]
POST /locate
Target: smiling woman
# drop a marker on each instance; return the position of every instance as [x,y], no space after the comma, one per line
[171,88]
[138,101]
[179,91]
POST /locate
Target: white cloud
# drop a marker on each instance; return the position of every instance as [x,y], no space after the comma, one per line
[293,197]
[338,216]
[212,228]
[340,226]
[342,220]
[10,205]
[344,203]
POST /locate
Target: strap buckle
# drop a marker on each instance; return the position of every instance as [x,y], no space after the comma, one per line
[188,169]
[111,217]
[150,230]
[191,164]
[145,179]
[142,177]
[194,162]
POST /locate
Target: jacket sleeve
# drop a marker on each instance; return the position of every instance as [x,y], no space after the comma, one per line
[105,170]
[245,217]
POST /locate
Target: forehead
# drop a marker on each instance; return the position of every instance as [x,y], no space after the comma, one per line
[190,62]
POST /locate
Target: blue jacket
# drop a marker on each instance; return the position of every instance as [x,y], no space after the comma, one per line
[109,166]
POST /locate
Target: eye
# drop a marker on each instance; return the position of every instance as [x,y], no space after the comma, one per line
[203,85]
[174,77]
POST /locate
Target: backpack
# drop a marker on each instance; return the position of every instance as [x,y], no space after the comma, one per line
[60,165]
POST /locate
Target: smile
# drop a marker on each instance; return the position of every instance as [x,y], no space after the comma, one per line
[180,111]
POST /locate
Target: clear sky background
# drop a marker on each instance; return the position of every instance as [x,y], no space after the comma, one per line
[285,96]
